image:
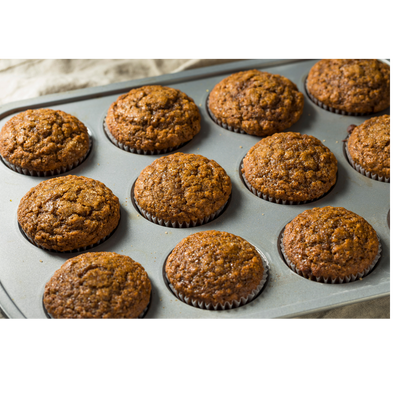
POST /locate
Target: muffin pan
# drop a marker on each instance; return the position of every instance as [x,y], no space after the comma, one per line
[25,269]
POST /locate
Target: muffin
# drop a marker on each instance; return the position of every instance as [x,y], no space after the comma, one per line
[331,245]
[98,285]
[68,213]
[182,190]
[43,142]
[368,148]
[152,119]
[289,167]
[350,86]
[256,102]
[215,269]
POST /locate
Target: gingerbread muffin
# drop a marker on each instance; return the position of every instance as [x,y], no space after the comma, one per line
[68,213]
[331,245]
[98,285]
[368,148]
[289,167]
[215,269]
[256,102]
[152,119]
[350,86]
[43,142]
[182,190]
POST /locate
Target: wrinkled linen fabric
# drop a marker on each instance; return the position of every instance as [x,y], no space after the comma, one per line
[24,79]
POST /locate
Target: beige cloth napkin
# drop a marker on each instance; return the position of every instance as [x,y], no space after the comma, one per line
[23,79]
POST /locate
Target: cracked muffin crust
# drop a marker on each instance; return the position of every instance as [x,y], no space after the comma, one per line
[153,118]
[182,187]
[369,145]
[290,166]
[44,140]
[353,86]
[330,242]
[259,103]
[98,285]
[68,213]
[214,267]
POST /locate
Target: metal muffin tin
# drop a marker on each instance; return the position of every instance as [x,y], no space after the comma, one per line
[25,269]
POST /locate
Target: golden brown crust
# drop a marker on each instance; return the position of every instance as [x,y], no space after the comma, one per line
[290,166]
[214,267]
[369,145]
[330,242]
[98,285]
[43,140]
[153,118]
[182,187]
[354,86]
[68,212]
[257,102]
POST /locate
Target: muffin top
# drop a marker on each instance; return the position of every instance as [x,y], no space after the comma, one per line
[259,103]
[330,242]
[369,145]
[153,118]
[98,285]
[68,212]
[43,140]
[214,267]
[354,86]
[290,166]
[182,187]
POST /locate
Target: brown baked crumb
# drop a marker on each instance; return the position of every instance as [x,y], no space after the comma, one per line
[259,103]
[214,267]
[369,145]
[98,285]
[290,166]
[153,118]
[354,86]
[68,212]
[182,187]
[43,140]
[330,242]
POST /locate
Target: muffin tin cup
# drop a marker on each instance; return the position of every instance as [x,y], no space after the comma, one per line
[331,109]
[137,151]
[223,125]
[273,199]
[361,170]
[227,305]
[347,279]
[53,172]
[176,224]
[91,246]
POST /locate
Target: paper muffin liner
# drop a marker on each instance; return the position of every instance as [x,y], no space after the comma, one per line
[273,199]
[176,224]
[223,125]
[347,279]
[362,170]
[227,305]
[53,172]
[79,249]
[138,151]
[331,109]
